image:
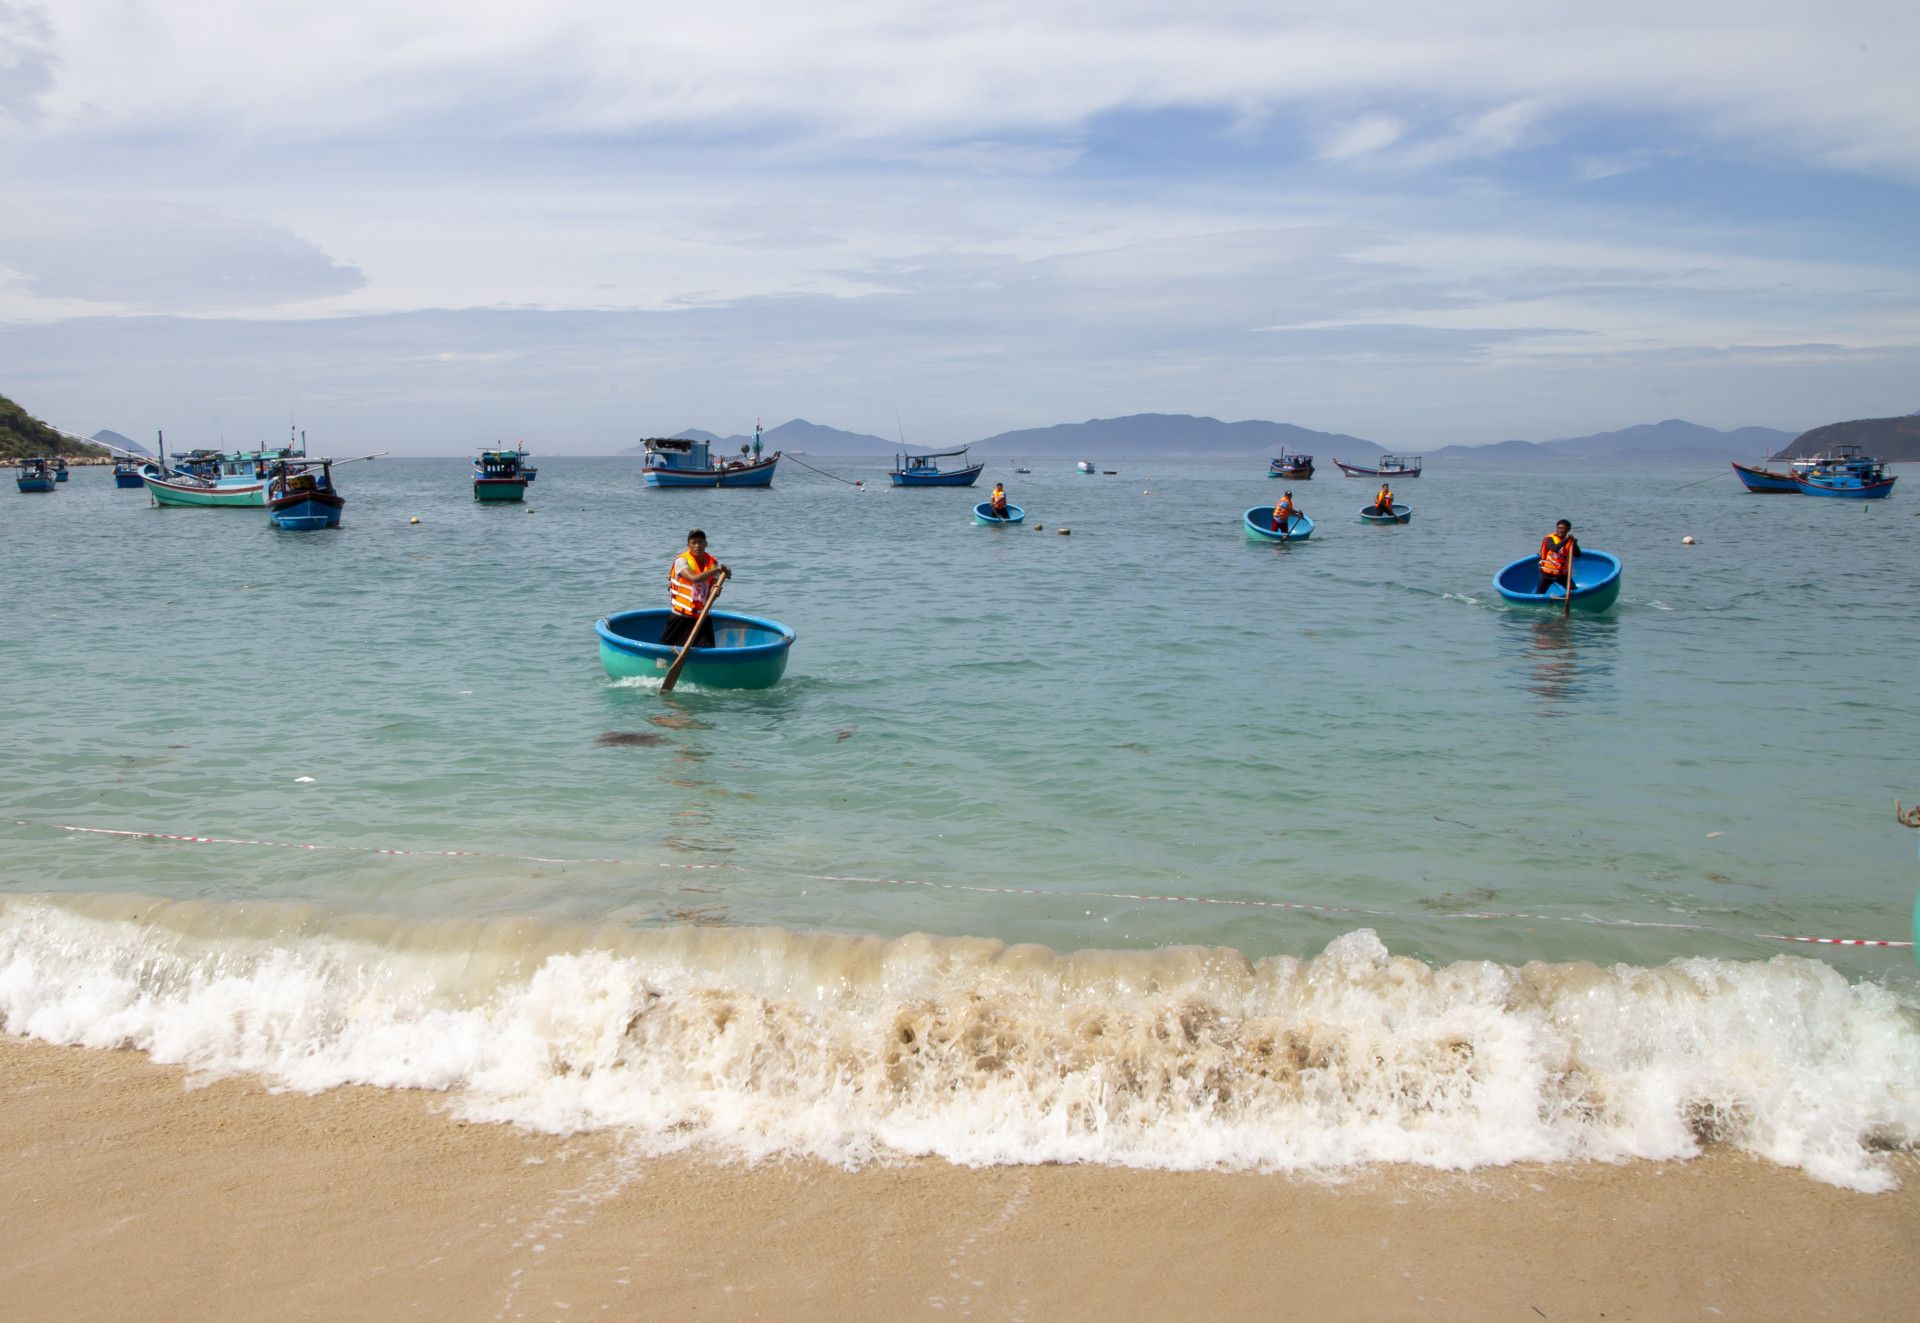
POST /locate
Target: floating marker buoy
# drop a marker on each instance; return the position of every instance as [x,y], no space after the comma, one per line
[1039,528]
[1063,532]
[414,520]
[1686,541]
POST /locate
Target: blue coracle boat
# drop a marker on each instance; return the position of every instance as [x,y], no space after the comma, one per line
[1259,522]
[1401,515]
[748,652]
[983,514]
[925,470]
[1596,582]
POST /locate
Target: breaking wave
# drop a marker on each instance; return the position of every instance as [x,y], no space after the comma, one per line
[853,1049]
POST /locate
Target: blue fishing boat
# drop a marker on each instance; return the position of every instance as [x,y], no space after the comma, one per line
[983,514]
[59,469]
[748,652]
[1259,522]
[1390,466]
[1764,480]
[1292,465]
[126,472]
[1401,515]
[498,475]
[301,496]
[673,461]
[1596,582]
[1844,472]
[36,475]
[213,478]
[925,470]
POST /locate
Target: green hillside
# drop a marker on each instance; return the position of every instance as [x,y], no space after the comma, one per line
[22,435]
[1893,439]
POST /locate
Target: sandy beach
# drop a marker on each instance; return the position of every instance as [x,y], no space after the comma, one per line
[135,1191]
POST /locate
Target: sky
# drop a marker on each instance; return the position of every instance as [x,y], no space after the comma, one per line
[431,226]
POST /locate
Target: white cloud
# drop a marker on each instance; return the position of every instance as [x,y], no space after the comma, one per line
[1775,76]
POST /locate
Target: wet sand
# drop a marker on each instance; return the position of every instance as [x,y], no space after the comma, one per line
[128,1193]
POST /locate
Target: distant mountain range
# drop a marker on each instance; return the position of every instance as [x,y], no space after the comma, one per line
[1171,434]
[1894,439]
[1179,434]
[1674,441]
[110,438]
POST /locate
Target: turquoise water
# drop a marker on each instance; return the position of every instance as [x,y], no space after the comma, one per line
[1150,705]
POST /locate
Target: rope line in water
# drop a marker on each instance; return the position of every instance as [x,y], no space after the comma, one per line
[1588,919]
[823,473]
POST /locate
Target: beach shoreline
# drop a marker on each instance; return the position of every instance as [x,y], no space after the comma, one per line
[135,1187]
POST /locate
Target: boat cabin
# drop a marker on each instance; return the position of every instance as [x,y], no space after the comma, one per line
[678,452]
[498,464]
[1391,465]
[298,476]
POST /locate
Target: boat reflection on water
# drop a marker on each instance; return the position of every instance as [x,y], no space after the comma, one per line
[1563,662]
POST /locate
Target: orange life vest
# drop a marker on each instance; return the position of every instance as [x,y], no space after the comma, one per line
[999,498]
[1384,500]
[1553,554]
[688,596]
[1284,509]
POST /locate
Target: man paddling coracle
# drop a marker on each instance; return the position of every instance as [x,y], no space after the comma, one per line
[997,503]
[691,581]
[1283,513]
[1557,550]
[1383,503]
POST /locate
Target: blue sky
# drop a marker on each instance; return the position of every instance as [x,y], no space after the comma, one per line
[428,225]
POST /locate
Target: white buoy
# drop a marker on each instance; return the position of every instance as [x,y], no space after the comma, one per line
[1063,532]
[414,520]
[1686,541]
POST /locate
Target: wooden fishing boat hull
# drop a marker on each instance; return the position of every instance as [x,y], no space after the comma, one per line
[1401,515]
[1764,480]
[1361,471]
[955,478]
[1848,488]
[34,484]
[758,474]
[252,495]
[306,511]
[1259,526]
[1596,583]
[1293,475]
[749,652]
[499,489]
[983,514]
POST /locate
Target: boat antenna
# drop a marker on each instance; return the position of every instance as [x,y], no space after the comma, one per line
[902,426]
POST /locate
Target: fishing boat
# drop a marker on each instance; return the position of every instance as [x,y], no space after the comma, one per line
[36,475]
[1844,472]
[1596,582]
[1390,466]
[1291,464]
[238,479]
[498,476]
[1402,514]
[748,652]
[1021,468]
[301,496]
[1259,522]
[684,462]
[126,472]
[1085,466]
[59,469]
[1764,480]
[983,514]
[925,470]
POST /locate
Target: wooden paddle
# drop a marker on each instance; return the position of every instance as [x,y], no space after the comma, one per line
[1566,612]
[673,671]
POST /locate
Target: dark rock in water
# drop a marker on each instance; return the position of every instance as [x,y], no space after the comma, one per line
[618,738]
[681,723]
[845,733]
[1448,903]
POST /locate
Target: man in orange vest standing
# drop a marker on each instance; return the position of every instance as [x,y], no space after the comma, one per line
[1557,550]
[691,580]
[1283,514]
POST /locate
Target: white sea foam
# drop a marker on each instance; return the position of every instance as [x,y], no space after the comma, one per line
[851,1049]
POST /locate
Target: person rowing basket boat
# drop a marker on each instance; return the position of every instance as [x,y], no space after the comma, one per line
[1283,513]
[690,582]
[1557,552]
[1383,503]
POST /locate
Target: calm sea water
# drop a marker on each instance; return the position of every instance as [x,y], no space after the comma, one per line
[1233,787]
[1150,705]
